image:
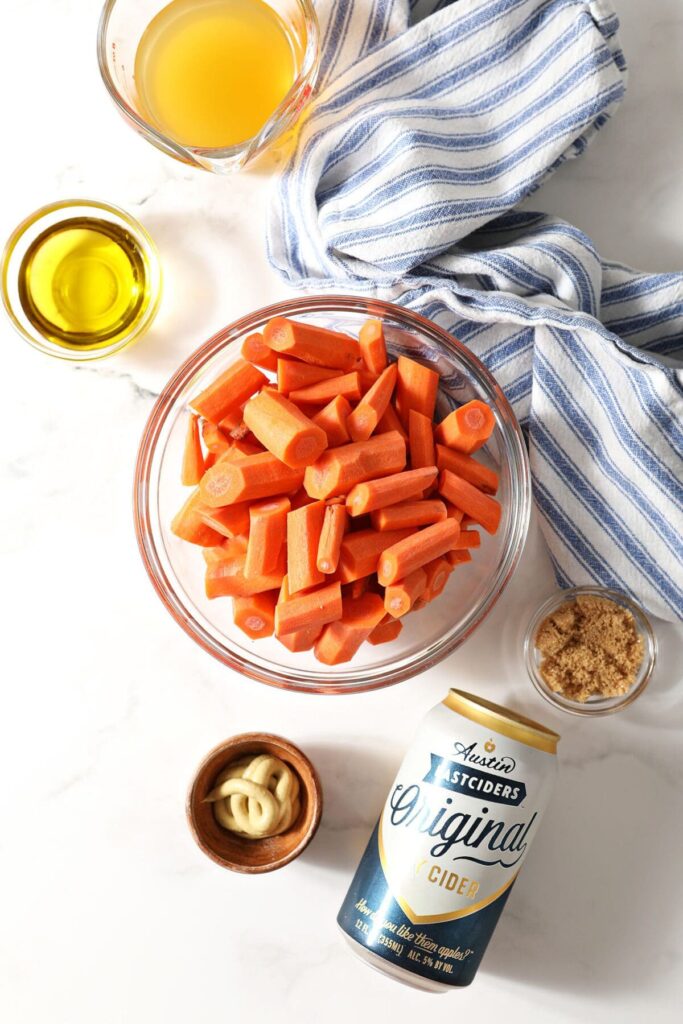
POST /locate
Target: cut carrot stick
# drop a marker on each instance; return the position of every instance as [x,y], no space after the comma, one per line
[301,639]
[409,513]
[255,350]
[193,458]
[267,533]
[421,440]
[339,641]
[416,388]
[468,539]
[303,611]
[225,577]
[300,498]
[360,552]
[388,490]
[255,615]
[324,391]
[231,521]
[232,419]
[416,550]
[367,380]
[311,344]
[248,478]
[386,631]
[240,449]
[468,428]
[231,389]
[356,588]
[340,469]
[331,537]
[189,525]
[333,420]
[304,527]
[284,430]
[373,348]
[457,557]
[483,509]
[372,406]
[419,604]
[400,597]
[437,573]
[469,469]
[391,421]
[454,513]
[214,438]
[292,375]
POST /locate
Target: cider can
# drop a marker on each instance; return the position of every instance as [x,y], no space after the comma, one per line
[455,829]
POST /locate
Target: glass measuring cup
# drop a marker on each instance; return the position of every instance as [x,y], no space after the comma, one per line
[122,24]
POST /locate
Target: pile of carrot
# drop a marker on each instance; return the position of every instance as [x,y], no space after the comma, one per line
[327,501]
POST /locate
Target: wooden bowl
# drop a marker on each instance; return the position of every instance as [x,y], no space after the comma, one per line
[253,856]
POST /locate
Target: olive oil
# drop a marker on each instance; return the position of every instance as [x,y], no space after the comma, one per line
[83,283]
[209,73]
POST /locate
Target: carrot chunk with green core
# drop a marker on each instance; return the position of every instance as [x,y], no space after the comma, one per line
[468,428]
[333,419]
[360,552]
[255,615]
[340,469]
[388,490]
[315,608]
[189,525]
[255,350]
[267,533]
[386,631]
[284,430]
[193,458]
[324,391]
[231,521]
[468,468]
[420,439]
[215,438]
[391,421]
[372,406]
[416,388]
[437,573]
[339,641]
[457,557]
[292,375]
[483,509]
[248,478]
[372,346]
[331,537]
[409,513]
[417,550]
[311,344]
[304,526]
[231,389]
[400,597]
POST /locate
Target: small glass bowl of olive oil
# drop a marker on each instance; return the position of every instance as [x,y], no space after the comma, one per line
[80,279]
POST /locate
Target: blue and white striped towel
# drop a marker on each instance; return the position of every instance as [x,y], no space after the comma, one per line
[432,122]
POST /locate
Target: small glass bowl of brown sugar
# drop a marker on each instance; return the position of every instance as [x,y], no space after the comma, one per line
[590,650]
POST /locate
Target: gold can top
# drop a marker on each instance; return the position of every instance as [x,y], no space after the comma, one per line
[502,720]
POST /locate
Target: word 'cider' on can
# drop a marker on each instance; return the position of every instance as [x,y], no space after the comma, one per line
[457,824]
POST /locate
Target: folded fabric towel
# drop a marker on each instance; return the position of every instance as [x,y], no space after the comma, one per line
[432,122]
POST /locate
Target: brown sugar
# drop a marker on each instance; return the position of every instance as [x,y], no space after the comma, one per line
[590,647]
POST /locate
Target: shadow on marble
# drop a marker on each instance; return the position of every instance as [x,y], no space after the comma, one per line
[597,901]
[355,783]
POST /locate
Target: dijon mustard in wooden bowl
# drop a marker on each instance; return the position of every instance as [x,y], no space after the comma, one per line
[255,803]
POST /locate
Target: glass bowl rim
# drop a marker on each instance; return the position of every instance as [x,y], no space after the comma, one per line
[163,407]
[601,707]
[140,234]
[187,153]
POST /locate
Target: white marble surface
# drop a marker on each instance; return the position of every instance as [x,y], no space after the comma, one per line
[108,912]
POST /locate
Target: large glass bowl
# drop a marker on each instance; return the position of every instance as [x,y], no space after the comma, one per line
[176,567]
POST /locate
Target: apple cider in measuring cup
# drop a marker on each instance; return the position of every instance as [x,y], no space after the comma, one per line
[210,73]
